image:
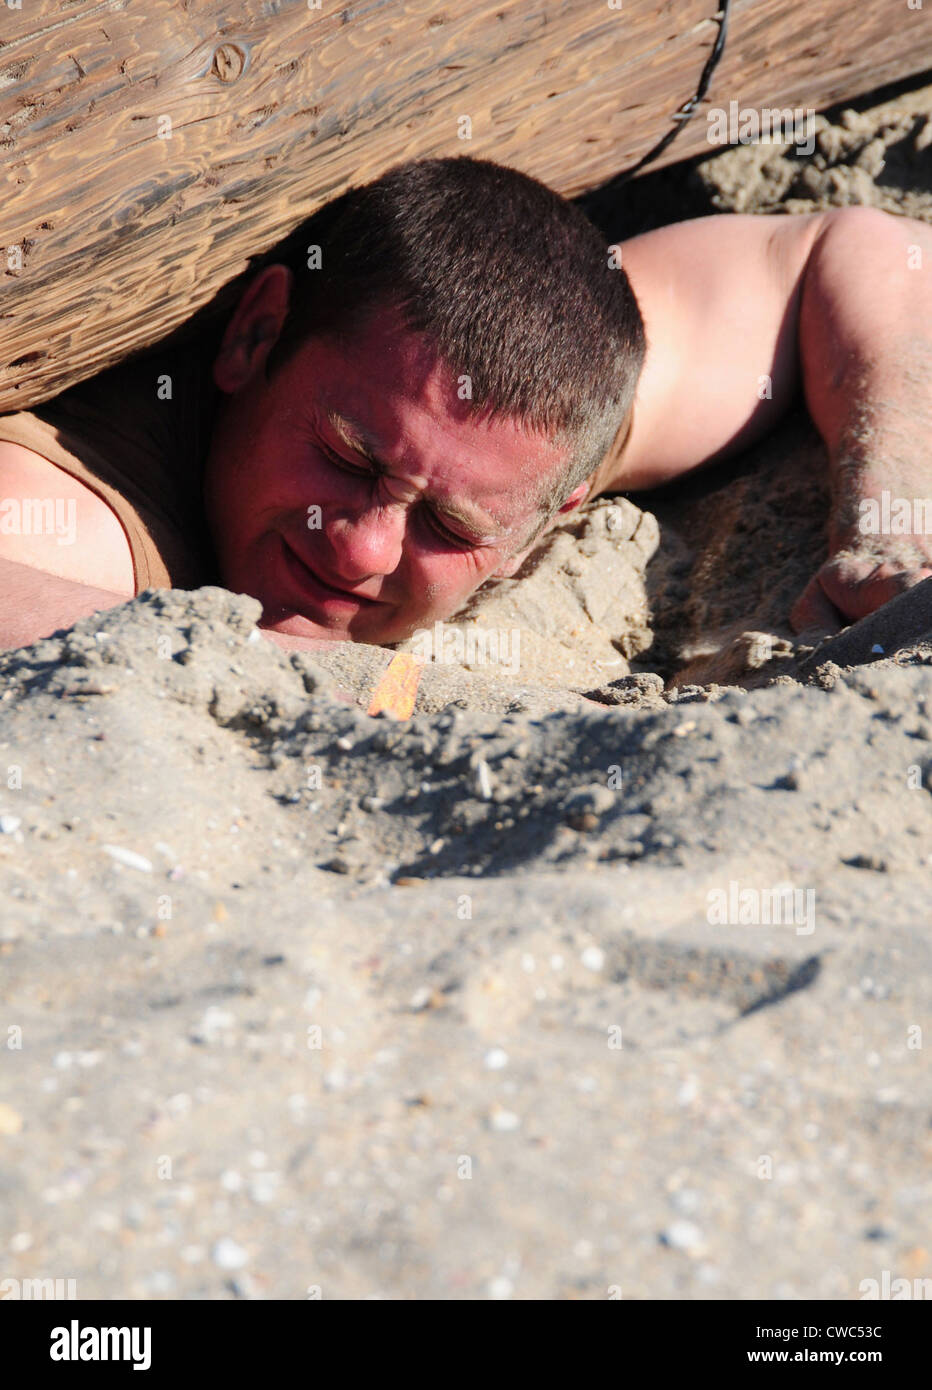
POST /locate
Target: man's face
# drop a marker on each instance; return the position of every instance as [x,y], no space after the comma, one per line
[352,492]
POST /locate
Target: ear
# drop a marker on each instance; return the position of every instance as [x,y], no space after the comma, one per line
[254,328]
[576,498]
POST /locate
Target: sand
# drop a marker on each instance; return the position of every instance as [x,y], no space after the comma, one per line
[300,1003]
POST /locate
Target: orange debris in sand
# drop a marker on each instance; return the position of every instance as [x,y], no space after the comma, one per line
[396,691]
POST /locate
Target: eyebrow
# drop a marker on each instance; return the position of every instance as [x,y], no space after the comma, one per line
[483,527]
[353,437]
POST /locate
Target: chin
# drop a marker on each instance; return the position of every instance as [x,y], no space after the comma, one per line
[358,629]
[295,625]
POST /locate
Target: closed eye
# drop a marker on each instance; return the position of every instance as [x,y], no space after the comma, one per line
[448,536]
[362,470]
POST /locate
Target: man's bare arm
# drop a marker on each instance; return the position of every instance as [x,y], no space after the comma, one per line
[35,603]
[742,311]
[866,349]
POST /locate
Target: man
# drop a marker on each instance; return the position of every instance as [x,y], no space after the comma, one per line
[452,360]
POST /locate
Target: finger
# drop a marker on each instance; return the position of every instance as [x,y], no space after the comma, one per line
[914,577]
[812,612]
[870,592]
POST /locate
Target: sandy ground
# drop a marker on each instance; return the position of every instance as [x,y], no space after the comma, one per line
[301,1003]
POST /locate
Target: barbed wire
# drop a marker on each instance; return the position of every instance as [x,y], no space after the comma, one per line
[685,112]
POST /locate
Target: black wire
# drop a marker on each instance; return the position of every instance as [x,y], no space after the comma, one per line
[687,110]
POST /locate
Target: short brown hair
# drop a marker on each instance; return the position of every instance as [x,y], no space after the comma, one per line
[510,282]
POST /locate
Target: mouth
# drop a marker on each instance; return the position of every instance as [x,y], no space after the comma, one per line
[320,593]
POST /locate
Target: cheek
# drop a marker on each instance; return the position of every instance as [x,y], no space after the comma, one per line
[269,473]
[439,578]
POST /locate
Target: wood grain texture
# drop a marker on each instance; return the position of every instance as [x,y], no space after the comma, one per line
[275,107]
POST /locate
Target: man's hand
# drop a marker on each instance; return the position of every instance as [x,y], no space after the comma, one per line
[855,582]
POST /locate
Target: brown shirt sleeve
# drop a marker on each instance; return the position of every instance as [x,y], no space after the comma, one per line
[142,451]
[62,449]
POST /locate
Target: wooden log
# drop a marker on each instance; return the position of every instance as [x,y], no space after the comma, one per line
[150,147]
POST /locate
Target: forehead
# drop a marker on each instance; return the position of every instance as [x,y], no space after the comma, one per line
[415,414]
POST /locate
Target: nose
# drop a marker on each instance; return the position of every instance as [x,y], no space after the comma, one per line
[369,543]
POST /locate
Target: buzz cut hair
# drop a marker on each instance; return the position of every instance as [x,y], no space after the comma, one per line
[510,283]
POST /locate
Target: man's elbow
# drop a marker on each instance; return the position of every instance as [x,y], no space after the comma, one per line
[876,244]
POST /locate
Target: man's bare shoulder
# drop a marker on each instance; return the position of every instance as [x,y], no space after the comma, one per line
[719,298]
[54,523]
